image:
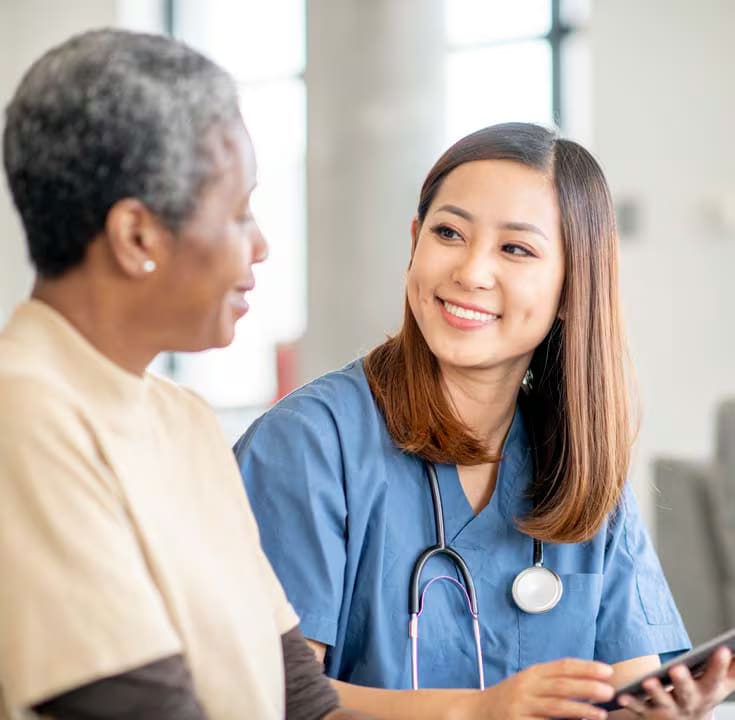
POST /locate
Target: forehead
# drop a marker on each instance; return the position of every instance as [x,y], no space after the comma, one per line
[232,154]
[499,185]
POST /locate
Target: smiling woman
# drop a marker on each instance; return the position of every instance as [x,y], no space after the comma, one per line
[495,426]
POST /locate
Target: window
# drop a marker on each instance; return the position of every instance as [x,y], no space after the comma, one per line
[504,61]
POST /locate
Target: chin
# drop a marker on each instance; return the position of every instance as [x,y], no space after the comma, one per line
[224,337]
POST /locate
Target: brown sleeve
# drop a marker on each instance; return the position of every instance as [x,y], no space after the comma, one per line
[161,690]
[309,694]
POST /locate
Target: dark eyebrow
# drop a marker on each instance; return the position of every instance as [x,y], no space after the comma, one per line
[525,227]
[518,226]
[457,211]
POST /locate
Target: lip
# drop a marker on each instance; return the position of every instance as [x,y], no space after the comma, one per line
[238,301]
[465,323]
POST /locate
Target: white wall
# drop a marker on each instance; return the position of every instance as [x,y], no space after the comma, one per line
[663,118]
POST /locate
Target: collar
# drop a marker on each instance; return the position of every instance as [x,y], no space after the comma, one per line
[516,470]
[61,354]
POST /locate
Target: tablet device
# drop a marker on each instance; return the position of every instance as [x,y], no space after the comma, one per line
[695,660]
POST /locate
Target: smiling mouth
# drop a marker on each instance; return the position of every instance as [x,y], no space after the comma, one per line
[465,313]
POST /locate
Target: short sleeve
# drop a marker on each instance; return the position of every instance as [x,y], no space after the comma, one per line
[285,617]
[637,613]
[76,601]
[291,464]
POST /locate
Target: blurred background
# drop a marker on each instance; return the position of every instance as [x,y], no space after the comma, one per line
[349,102]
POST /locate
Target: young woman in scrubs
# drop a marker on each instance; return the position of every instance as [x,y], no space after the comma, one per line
[508,374]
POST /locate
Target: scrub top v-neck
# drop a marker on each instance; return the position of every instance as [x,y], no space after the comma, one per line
[343,515]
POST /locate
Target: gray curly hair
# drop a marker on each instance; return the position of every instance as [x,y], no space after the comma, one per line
[104,116]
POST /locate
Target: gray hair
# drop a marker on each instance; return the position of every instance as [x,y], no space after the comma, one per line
[104,116]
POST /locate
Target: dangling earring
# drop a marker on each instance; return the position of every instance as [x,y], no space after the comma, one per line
[527,382]
[149,266]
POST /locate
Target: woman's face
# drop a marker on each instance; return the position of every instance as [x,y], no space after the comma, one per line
[487,272]
[210,266]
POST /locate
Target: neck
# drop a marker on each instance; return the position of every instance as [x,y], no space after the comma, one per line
[93,310]
[484,400]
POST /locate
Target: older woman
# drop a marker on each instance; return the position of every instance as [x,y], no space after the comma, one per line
[133,583]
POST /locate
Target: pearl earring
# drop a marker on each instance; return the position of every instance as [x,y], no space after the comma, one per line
[149,266]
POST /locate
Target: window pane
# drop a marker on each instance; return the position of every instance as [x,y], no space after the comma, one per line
[254,40]
[276,118]
[498,84]
[470,22]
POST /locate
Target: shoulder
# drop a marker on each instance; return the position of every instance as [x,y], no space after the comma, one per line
[343,391]
[34,398]
[166,392]
[332,402]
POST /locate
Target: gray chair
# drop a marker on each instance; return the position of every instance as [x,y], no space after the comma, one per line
[695,529]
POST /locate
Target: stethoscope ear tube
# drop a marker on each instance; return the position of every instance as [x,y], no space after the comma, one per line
[536,589]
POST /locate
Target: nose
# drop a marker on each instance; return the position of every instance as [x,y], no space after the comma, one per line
[260,246]
[477,270]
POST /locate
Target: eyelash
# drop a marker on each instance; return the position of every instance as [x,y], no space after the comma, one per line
[525,252]
[440,230]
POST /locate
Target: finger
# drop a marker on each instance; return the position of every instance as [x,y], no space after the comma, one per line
[565,687]
[573,667]
[659,696]
[561,708]
[714,676]
[633,704]
[687,693]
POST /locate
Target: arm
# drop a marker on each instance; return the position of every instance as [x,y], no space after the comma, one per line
[541,691]
[161,690]
[81,605]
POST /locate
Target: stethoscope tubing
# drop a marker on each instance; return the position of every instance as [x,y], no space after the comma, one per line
[414,595]
[415,598]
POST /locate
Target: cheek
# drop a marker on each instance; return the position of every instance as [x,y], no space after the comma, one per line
[421,279]
[539,298]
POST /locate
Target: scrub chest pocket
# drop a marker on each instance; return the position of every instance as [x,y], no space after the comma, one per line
[569,630]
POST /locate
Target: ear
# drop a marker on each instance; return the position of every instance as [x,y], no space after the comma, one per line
[136,238]
[415,230]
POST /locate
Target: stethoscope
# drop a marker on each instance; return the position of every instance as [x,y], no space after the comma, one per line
[536,589]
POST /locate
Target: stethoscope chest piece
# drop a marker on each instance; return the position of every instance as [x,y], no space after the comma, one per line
[537,589]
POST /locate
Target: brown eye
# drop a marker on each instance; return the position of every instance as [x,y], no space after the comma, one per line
[446,233]
[518,250]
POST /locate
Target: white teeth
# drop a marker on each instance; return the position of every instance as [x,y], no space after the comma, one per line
[468,314]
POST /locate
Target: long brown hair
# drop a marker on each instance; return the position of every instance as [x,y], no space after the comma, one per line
[578,412]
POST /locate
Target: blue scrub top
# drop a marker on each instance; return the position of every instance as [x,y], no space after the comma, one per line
[343,515]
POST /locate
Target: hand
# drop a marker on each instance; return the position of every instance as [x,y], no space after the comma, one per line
[547,690]
[689,699]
